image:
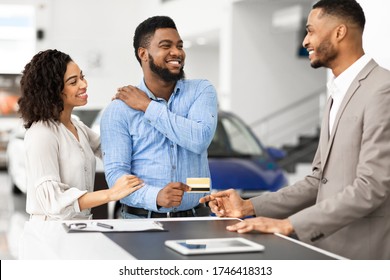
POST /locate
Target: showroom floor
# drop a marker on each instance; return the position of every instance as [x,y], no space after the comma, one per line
[13,214]
[12,218]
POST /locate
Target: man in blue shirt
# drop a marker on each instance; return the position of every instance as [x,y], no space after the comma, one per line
[163,131]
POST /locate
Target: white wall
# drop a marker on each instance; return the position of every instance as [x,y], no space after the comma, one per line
[98,35]
[377,32]
[267,72]
[202,62]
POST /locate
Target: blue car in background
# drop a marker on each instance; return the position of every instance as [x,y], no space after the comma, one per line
[238,160]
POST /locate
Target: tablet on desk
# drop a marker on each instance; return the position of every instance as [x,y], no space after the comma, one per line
[213,246]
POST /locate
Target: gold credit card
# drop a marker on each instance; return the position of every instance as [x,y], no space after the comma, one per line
[199,184]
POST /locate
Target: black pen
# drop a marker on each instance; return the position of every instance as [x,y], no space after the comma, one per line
[104,225]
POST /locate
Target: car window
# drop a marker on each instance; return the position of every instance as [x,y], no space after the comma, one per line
[233,138]
[96,123]
[87,116]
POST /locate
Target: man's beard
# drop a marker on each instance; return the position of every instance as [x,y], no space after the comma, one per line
[164,73]
[328,53]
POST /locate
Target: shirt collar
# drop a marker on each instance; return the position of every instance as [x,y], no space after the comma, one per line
[142,86]
[344,80]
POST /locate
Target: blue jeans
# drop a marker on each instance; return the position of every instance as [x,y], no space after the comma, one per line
[126,215]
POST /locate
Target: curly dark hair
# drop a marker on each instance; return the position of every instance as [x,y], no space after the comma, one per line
[347,9]
[146,29]
[41,85]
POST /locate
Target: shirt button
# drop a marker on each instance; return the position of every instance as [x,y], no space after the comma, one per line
[324,180]
[173,167]
[175,209]
[172,146]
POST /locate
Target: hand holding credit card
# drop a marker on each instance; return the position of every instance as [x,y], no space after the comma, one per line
[199,184]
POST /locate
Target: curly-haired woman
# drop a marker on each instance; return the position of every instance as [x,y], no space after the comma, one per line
[60,150]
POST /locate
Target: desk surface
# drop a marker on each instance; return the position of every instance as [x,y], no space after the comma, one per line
[150,245]
[48,240]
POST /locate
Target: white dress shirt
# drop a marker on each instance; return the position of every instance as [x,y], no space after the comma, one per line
[338,86]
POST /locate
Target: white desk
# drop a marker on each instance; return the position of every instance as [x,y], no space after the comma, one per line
[42,240]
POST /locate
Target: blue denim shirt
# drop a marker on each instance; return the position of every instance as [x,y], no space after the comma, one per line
[167,143]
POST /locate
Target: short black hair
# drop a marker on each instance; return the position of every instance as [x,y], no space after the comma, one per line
[346,9]
[42,84]
[146,29]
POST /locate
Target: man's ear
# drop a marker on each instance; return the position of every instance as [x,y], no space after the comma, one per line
[341,32]
[143,54]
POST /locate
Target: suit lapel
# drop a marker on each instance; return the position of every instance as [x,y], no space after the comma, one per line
[324,136]
[351,91]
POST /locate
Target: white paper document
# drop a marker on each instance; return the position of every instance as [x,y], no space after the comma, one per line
[120,225]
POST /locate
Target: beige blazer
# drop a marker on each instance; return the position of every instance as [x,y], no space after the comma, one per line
[344,205]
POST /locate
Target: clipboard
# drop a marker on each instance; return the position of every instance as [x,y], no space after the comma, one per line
[121,225]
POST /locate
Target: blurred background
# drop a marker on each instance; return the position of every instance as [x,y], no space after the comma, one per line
[249,49]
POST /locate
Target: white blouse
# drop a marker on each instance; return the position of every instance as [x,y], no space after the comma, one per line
[59,169]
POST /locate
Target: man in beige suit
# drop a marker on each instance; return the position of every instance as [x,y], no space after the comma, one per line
[344,205]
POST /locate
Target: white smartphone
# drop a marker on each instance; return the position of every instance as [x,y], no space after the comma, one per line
[214,246]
